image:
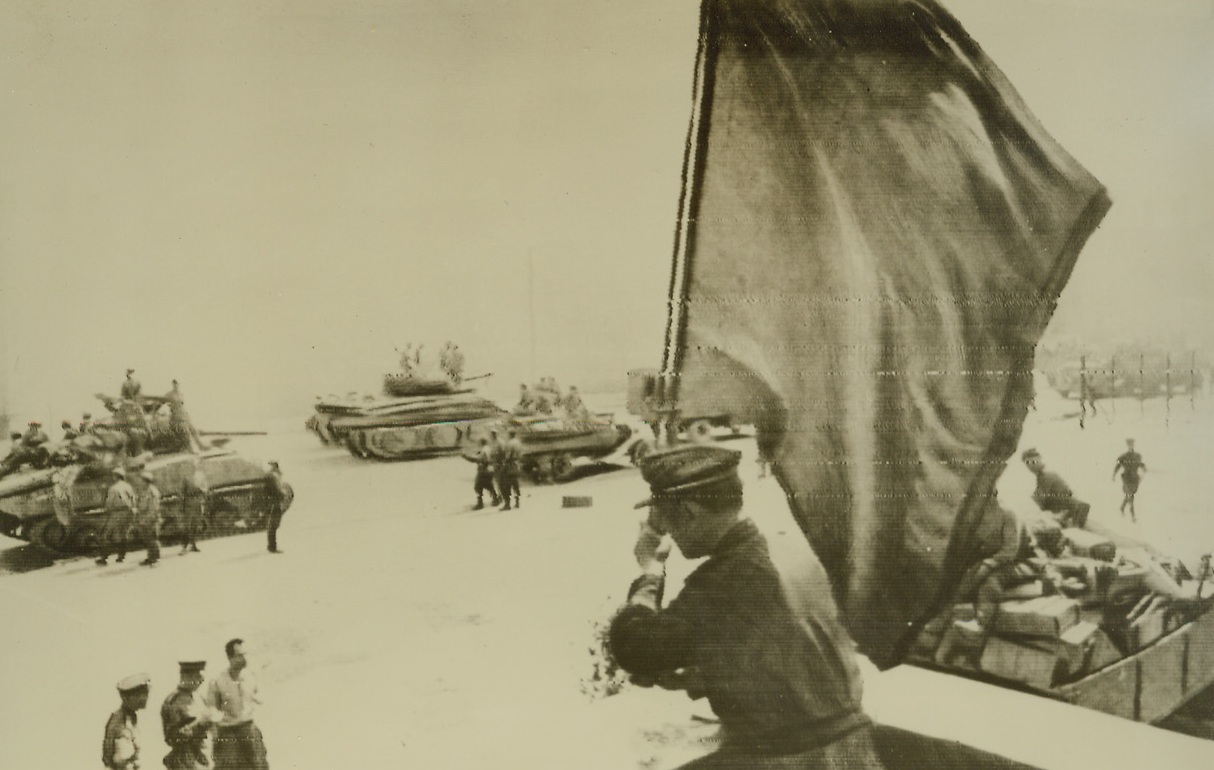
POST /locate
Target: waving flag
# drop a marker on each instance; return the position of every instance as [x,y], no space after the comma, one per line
[873,234]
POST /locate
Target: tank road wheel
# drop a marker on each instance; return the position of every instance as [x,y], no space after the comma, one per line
[537,470]
[50,536]
[354,444]
[562,467]
[85,537]
[699,432]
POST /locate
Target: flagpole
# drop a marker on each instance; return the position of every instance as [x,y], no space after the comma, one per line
[680,274]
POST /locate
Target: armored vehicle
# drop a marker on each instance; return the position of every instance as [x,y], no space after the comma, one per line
[418,416]
[552,443]
[56,499]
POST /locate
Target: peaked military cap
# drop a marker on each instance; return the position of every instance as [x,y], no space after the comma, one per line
[147,476]
[1029,453]
[134,682]
[120,471]
[192,666]
[130,371]
[671,472]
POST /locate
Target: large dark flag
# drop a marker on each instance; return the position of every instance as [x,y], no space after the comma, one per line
[874,233]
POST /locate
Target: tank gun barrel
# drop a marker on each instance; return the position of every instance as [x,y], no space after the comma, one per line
[233,433]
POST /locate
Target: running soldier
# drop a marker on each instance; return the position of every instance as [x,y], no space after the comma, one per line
[1131,465]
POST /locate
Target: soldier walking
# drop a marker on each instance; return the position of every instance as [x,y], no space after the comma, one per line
[194,491]
[508,470]
[281,496]
[484,475]
[120,746]
[120,517]
[184,730]
[148,504]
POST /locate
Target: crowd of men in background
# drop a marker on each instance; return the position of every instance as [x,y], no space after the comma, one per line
[217,722]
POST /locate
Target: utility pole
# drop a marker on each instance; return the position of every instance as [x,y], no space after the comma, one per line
[531,306]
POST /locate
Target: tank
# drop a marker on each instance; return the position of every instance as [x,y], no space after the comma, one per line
[56,500]
[552,443]
[418,416]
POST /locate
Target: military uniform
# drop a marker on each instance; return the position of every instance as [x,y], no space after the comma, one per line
[120,507]
[508,471]
[281,496]
[194,490]
[755,630]
[131,388]
[1131,465]
[183,731]
[148,504]
[120,745]
[484,477]
[1055,497]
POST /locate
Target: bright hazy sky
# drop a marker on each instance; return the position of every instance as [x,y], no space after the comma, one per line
[263,198]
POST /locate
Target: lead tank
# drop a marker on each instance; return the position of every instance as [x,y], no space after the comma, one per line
[551,443]
[418,415]
[57,499]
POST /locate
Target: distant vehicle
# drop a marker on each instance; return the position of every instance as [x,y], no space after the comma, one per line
[57,502]
[552,443]
[696,424]
[418,417]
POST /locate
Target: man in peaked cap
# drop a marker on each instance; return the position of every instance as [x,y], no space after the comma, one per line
[185,730]
[755,628]
[147,502]
[281,496]
[120,746]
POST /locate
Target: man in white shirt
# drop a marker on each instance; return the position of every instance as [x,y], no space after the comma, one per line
[233,693]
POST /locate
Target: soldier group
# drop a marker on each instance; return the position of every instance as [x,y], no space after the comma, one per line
[221,718]
[498,465]
[546,399]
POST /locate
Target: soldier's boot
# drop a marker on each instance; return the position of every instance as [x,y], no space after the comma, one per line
[497,500]
[517,502]
[506,507]
[103,561]
[479,504]
[194,548]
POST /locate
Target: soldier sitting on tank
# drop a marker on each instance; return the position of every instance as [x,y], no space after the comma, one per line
[14,459]
[543,405]
[526,401]
[575,409]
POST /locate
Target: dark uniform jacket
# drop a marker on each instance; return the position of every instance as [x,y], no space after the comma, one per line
[187,748]
[762,636]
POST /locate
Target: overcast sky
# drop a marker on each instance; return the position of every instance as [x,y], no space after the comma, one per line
[263,198]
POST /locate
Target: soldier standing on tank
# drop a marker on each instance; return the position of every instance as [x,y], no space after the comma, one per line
[484,475]
[184,731]
[575,408]
[120,746]
[281,496]
[194,490]
[131,389]
[86,423]
[148,505]
[508,471]
[69,433]
[120,516]
[179,419]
